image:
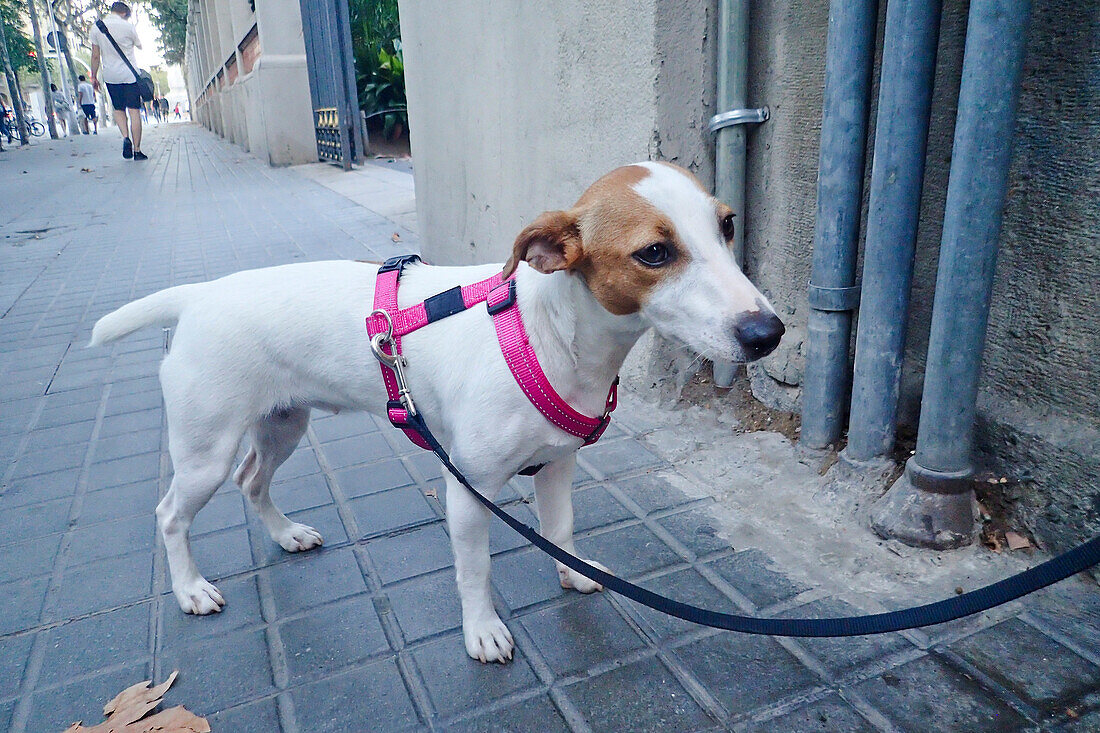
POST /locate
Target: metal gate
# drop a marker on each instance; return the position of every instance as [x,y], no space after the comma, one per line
[331,65]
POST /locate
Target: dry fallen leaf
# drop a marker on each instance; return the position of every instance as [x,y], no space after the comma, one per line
[1017,541]
[126,713]
[431,493]
[85,170]
[396,237]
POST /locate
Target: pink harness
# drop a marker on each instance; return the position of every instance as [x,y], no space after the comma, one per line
[499,296]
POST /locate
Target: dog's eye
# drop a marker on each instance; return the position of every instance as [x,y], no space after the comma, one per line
[727,227]
[655,255]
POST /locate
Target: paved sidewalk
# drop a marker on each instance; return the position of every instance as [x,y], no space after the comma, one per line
[363,634]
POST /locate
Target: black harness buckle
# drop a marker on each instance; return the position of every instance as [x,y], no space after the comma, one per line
[398,263]
[505,304]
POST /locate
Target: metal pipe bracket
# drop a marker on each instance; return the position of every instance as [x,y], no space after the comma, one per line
[834,299]
[738,117]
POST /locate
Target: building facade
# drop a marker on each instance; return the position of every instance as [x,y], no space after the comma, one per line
[247,79]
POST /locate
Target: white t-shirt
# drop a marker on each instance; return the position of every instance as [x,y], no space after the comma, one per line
[85,93]
[113,69]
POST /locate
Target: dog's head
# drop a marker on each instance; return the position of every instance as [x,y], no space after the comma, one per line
[649,240]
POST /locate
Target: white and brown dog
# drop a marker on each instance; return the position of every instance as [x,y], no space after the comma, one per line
[253,352]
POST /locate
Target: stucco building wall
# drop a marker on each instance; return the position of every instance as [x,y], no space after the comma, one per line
[515,110]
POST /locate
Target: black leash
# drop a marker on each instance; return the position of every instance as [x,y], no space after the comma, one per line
[1059,568]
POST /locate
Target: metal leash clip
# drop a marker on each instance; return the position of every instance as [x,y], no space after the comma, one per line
[394,360]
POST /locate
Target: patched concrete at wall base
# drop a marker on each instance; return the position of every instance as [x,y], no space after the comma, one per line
[517,108]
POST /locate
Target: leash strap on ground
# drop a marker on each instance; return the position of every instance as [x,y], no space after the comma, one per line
[1059,568]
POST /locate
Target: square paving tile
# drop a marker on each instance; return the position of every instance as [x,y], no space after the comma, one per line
[639,696]
[104,584]
[697,530]
[391,510]
[596,507]
[220,672]
[331,638]
[14,651]
[127,444]
[926,694]
[844,655]
[85,645]
[241,610]
[372,697]
[49,460]
[222,553]
[686,586]
[630,551]
[302,462]
[55,710]
[745,672]
[411,553]
[355,450]
[457,683]
[21,603]
[70,434]
[578,635]
[619,457]
[111,539]
[304,492]
[652,492]
[502,537]
[344,425]
[426,605]
[130,422]
[35,520]
[757,577]
[225,509]
[1011,652]
[315,577]
[525,578]
[36,557]
[122,471]
[532,714]
[828,715]
[118,502]
[375,477]
[261,716]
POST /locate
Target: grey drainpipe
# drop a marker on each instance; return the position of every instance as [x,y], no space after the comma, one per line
[833,295]
[897,174]
[729,153]
[931,505]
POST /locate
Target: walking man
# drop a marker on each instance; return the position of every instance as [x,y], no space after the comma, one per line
[85,97]
[121,83]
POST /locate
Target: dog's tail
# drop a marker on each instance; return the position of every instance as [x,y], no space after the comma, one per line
[162,308]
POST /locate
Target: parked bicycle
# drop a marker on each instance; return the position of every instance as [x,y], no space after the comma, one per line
[10,128]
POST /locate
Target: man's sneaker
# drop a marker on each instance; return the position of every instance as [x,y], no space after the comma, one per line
[138,155]
[127,148]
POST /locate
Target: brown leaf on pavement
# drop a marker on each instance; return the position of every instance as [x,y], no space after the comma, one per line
[126,713]
[1017,541]
[85,170]
[396,237]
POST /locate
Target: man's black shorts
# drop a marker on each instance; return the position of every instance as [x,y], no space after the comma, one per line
[125,96]
[89,110]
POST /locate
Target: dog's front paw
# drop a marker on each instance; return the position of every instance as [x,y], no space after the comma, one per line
[199,597]
[299,537]
[489,641]
[572,579]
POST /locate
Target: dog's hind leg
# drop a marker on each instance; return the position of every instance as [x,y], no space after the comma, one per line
[274,437]
[486,636]
[202,461]
[554,502]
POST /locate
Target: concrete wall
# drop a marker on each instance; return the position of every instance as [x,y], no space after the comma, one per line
[515,110]
[517,107]
[265,110]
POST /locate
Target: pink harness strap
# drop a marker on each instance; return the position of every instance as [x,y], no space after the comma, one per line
[500,299]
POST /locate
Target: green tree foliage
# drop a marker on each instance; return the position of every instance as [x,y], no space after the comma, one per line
[379,68]
[20,46]
[170,18]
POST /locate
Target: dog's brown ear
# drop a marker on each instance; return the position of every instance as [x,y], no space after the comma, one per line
[552,242]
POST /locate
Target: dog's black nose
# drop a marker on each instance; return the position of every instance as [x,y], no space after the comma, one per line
[759,334]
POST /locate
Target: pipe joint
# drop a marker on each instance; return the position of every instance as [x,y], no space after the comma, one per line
[834,299]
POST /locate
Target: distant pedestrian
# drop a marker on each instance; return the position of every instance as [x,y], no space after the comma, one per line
[178,111]
[164,108]
[121,82]
[59,108]
[85,97]
[156,109]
